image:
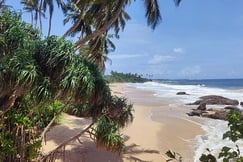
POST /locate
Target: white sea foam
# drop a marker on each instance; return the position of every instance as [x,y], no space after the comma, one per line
[195,91]
[213,139]
[214,128]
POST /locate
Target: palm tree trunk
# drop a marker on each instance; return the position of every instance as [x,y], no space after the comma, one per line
[100,31]
[49,28]
[40,11]
[32,18]
[70,30]
[36,18]
[9,103]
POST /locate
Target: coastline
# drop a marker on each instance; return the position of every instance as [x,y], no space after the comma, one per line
[159,126]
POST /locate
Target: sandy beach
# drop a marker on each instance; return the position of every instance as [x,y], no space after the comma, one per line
[157,127]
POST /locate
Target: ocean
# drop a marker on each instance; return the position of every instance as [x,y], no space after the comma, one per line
[230,88]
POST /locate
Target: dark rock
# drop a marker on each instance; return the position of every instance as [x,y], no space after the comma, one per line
[181,93]
[217,114]
[215,100]
[213,114]
[202,106]
[241,103]
[195,113]
[231,108]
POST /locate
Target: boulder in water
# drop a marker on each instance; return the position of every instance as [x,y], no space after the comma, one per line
[181,93]
[195,113]
[216,114]
[202,106]
[215,100]
[231,108]
[241,103]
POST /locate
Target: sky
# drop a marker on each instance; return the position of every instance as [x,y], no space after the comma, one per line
[200,39]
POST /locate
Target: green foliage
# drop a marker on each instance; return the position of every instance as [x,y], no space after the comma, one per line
[43,115]
[106,135]
[37,79]
[236,126]
[18,135]
[173,156]
[208,157]
[108,123]
[119,111]
[235,133]
[121,77]
[227,154]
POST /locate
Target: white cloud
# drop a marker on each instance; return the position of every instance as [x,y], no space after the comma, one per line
[191,71]
[178,50]
[160,58]
[125,56]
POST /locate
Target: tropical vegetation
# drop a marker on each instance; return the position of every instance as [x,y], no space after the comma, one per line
[42,77]
[39,79]
[94,23]
[125,77]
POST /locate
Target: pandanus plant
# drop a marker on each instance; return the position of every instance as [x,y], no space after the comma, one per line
[35,73]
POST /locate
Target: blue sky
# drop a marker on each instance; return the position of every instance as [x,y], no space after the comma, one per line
[200,39]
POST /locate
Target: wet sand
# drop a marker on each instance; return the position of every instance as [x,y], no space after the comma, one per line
[160,126]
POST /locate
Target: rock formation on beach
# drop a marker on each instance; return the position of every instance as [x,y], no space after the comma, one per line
[214,113]
[215,100]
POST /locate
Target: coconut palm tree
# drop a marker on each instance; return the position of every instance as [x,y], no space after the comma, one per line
[32,7]
[50,5]
[87,18]
[102,11]
[97,50]
[93,19]
[101,16]
[2,3]
[3,6]
[40,7]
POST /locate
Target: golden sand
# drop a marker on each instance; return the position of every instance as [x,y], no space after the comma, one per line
[157,127]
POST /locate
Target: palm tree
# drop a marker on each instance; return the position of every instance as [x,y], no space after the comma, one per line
[88,18]
[31,6]
[40,7]
[106,14]
[93,19]
[34,7]
[50,5]
[97,50]
[3,6]
[101,16]
[2,3]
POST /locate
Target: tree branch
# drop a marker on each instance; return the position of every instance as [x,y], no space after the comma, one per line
[52,121]
[70,30]
[51,154]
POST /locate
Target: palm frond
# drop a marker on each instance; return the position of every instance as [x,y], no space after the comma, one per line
[152,13]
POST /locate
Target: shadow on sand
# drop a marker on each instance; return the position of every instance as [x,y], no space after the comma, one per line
[86,151]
